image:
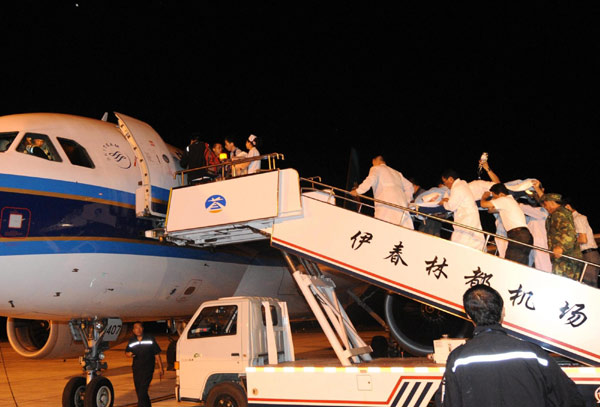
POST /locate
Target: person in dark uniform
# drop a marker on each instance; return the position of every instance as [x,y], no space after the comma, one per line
[193,157]
[145,353]
[494,369]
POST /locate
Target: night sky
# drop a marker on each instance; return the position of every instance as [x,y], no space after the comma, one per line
[431,86]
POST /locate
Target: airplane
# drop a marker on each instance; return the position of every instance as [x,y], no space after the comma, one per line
[76,196]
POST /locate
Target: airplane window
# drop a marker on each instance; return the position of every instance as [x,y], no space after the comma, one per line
[215,321]
[38,145]
[76,153]
[6,140]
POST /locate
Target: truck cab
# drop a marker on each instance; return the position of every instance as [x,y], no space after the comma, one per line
[223,338]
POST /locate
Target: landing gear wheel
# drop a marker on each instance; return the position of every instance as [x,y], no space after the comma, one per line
[227,394]
[74,392]
[99,393]
[415,325]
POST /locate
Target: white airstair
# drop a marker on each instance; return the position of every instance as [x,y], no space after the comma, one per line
[560,314]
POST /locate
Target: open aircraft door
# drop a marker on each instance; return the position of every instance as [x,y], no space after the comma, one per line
[155,163]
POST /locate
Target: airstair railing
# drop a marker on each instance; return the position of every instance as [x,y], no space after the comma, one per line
[221,170]
[330,190]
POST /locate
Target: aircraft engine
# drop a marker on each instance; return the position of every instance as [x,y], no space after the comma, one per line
[42,339]
[415,325]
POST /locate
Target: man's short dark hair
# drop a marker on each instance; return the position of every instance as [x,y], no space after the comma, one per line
[483,305]
[450,173]
[499,188]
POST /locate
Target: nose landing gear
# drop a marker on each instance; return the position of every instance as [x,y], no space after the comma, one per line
[93,390]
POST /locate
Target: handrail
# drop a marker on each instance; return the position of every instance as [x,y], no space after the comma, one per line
[416,212]
[271,158]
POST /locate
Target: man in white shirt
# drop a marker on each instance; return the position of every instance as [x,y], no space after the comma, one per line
[587,243]
[390,186]
[235,154]
[462,203]
[478,187]
[513,220]
[536,222]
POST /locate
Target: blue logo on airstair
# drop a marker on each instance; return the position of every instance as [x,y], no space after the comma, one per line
[215,203]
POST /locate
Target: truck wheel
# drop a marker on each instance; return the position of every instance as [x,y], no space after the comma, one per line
[99,393]
[74,392]
[227,394]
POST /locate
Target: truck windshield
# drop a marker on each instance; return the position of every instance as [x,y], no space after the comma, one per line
[215,321]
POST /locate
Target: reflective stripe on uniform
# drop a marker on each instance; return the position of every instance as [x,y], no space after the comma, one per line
[132,344]
[500,357]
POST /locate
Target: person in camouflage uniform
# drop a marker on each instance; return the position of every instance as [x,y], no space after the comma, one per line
[562,238]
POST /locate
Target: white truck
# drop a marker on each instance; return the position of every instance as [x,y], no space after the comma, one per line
[224,338]
[238,351]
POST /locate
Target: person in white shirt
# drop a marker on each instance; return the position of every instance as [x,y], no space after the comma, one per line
[587,243]
[513,220]
[235,154]
[536,222]
[462,203]
[478,187]
[390,186]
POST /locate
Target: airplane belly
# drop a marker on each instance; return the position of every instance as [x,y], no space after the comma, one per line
[64,286]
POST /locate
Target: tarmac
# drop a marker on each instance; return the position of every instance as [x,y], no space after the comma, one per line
[39,383]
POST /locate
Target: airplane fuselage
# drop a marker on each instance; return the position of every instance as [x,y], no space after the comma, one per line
[71,245]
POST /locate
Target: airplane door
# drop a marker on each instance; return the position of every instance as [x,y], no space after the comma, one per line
[155,163]
[211,345]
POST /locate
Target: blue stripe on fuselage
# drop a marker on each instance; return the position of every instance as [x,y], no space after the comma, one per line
[160,193]
[75,188]
[70,224]
[55,216]
[20,247]
[230,255]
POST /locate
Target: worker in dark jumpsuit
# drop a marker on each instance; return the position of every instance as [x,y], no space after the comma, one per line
[494,369]
[145,353]
[193,157]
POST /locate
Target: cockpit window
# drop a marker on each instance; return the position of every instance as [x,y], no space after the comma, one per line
[76,153]
[38,145]
[6,140]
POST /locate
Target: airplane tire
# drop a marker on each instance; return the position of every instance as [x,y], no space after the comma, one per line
[74,392]
[99,393]
[227,394]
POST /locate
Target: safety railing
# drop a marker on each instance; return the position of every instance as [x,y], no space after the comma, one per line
[228,168]
[343,196]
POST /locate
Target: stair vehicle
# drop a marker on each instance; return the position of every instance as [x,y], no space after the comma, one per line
[559,314]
